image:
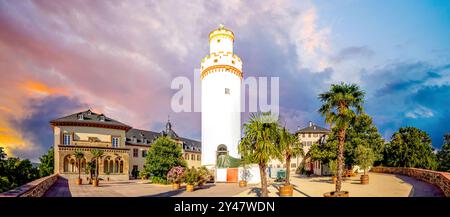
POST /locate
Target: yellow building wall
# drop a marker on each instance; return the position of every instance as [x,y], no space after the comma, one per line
[139,160]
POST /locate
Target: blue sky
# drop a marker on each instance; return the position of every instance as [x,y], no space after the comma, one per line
[119,58]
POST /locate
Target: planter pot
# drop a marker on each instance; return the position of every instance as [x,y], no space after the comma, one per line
[364,179]
[334,179]
[286,191]
[95,183]
[242,183]
[189,188]
[78,181]
[336,194]
[176,186]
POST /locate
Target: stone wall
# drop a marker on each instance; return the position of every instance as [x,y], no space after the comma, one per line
[36,188]
[440,179]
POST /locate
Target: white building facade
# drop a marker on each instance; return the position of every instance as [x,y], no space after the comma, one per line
[221,78]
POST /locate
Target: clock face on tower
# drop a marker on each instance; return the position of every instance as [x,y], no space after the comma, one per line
[221,78]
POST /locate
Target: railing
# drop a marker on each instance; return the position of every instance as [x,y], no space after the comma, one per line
[36,188]
[440,179]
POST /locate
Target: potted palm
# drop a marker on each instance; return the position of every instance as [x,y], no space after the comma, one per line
[175,176]
[290,148]
[191,178]
[79,155]
[90,168]
[259,143]
[364,159]
[96,154]
[340,106]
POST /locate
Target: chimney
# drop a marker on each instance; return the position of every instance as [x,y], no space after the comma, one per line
[310,123]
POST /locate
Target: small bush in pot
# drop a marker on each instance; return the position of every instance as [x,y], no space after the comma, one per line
[332,165]
[204,175]
[191,178]
[364,159]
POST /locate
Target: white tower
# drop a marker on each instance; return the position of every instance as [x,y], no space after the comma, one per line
[221,77]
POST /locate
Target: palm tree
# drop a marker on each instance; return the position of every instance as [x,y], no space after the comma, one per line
[96,154]
[340,106]
[79,155]
[290,148]
[259,143]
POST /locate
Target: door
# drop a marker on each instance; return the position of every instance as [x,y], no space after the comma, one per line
[232,174]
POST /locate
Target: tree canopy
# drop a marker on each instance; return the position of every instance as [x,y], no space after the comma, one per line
[410,147]
[443,155]
[15,172]
[47,163]
[364,157]
[163,155]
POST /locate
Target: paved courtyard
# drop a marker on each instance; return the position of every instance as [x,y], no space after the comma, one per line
[139,188]
[381,185]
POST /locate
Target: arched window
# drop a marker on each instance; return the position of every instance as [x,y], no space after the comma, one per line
[111,166]
[66,164]
[121,166]
[72,166]
[83,165]
[116,166]
[106,165]
[222,150]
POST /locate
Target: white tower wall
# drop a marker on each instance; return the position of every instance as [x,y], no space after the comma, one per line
[221,74]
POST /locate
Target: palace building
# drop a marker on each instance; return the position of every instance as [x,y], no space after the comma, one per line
[307,136]
[125,148]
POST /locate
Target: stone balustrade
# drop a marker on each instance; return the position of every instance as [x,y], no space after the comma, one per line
[36,188]
[440,179]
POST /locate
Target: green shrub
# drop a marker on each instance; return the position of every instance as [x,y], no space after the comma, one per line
[191,176]
[159,180]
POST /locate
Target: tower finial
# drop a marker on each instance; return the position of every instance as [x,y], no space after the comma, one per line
[168,124]
[221,26]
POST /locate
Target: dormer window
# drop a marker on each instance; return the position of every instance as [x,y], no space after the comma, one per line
[144,140]
[80,116]
[101,118]
[89,112]
[134,139]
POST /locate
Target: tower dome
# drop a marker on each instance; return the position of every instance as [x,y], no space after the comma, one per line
[221,57]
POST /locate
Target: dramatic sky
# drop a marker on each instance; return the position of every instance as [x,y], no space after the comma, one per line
[119,58]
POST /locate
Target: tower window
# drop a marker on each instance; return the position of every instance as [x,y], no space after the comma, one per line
[232,61]
[218,40]
[215,60]
[227,91]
